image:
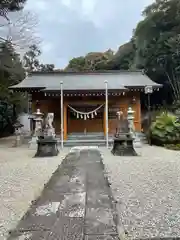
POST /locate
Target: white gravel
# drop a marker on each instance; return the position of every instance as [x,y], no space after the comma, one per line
[147,189]
[22,179]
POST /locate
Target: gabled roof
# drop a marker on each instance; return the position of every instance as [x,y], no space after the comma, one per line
[117,80]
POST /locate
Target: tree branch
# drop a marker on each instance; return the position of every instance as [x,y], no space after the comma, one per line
[21,32]
[172,86]
[176,82]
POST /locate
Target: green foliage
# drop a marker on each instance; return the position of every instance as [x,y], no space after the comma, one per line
[31,61]
[10,60]
[165,129]
[76,64]
[91,62]
[7,118]
[30,58]
[176,108]
[11,73]
[154,47]
[175,147]
[122,59]
[11,70]
[7,6]
[157,40]
[11,6]
[47,67]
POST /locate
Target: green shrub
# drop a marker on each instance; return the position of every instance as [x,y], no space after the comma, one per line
[7,118]
[175,147]
[165,129]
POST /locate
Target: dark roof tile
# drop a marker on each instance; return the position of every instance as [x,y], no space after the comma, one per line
[86,81]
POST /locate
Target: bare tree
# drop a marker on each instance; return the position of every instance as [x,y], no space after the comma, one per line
[20,28]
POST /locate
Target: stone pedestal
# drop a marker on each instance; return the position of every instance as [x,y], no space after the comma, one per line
[33,143]
[46,147]
[123,146]
[38,120]
[137,142]
[49,132]
[18,141]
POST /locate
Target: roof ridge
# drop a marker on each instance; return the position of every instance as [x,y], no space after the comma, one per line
[86,72]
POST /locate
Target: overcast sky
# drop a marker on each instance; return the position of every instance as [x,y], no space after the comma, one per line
[71,28]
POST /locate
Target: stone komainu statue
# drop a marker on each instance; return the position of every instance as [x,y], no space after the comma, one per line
[49,120]
[122,124]
[49,129]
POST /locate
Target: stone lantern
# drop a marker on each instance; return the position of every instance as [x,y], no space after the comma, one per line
[31,118]
[130,118]
[18,133]
[38,120]
[123,140]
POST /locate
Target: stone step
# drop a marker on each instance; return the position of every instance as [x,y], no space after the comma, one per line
[85,142]
[80,136]
[90,139]
[89,133]
[86,138]
[72,144]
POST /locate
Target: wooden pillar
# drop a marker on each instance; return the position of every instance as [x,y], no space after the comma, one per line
[104,121]
[65,121]
[137,112]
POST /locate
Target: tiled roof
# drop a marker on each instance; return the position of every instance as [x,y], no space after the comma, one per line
[86,80]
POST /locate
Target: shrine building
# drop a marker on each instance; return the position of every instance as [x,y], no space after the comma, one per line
[85,98]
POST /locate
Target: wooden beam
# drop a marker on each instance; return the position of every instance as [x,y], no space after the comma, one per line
[89,102]
[33,106]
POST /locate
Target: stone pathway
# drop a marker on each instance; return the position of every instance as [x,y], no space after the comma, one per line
[76,203]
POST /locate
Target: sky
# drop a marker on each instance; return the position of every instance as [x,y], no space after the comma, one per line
[72,28]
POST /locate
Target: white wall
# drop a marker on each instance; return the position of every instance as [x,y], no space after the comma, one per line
[23,118]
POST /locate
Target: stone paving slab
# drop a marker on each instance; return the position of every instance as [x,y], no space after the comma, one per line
[97,198]
[62,229]
[99,215]
[101,237]
[67,228]
[69,187]
[99,221]
[36,223]
[98,185]
[30,235]
[75,204]
[160,238]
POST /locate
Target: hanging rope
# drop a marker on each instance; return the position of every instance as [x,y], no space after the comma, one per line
[85,115]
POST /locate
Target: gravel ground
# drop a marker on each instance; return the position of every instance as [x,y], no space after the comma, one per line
[22,179]
[147,190]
